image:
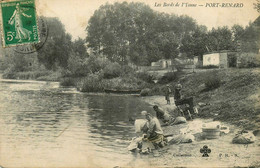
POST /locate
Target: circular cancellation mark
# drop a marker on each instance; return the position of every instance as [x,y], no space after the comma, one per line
[43,34]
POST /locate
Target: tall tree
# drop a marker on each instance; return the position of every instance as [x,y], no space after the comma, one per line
[55,51]
[195,43]
[220,39]
[79,48]
[134,32]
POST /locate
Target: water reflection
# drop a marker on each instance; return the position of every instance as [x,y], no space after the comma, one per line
[42,123]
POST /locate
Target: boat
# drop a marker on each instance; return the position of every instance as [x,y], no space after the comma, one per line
[116,91]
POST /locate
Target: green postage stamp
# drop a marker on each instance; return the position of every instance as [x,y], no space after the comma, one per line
[19,23]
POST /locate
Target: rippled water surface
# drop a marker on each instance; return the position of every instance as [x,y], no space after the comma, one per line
[44,125]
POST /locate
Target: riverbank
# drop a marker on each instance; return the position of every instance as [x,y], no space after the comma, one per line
[185,154]
[223,94]
[235,99]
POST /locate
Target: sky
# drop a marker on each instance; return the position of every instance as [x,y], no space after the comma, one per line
[74,14]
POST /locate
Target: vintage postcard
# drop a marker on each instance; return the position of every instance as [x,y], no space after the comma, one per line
[129,83]
[19,22]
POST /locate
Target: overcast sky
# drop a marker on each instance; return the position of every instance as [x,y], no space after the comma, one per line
[74,14]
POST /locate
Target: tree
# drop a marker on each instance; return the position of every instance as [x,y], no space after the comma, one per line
[237,32]
[134,32]
[250,39]
[195,43]
[220,39]
[79,48]
[113,29]
[55,51]
[257,5]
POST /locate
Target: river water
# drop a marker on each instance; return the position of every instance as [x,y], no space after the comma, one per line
[45,125]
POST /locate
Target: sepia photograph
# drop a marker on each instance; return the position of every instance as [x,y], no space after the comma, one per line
[129,83]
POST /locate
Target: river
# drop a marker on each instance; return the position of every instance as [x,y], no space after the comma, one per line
[45,125]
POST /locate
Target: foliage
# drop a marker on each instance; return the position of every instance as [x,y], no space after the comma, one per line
[257,5]
[112,70]
[250,39]
[169,77]
[67,82]
[95,63]
[45,75]
[56,49]
[127,70]
[145,92]
[79,48]
[52,76]
[145,77]
[14,62]
[77,66]
[125,32]
[220,39]
[195,44]
[93,83]
[249,60]
[212,81]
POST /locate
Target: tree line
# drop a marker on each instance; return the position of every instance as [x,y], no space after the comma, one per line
[124,32]
[133,32]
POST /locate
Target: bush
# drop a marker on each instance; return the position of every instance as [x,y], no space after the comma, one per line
[126,70]
[212,80]
[112,70]
[145,77]
[125,83]
[77,67]
[67,82]
[9,73]
[93,83]
[248,60]
[95,63]
[145,92]
[169,77]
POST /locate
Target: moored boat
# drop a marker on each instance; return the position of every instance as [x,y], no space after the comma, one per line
[116,91]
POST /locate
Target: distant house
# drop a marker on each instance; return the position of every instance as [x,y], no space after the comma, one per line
[219,59]
[162,63]
[222,59]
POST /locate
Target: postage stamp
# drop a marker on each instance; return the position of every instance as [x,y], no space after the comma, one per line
[19,23]
[33,47]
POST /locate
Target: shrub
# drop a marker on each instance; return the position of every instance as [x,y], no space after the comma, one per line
[93,83]
[95,63]
[67,82]
[9,73]
[127,70]
[77,67]
[248,60]
[145,77]
[212,80]
[145,92]
[157,90]
[169,77]
[124,83]
[112,70]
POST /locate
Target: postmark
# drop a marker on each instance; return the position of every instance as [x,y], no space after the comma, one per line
[43,35]
[19,23]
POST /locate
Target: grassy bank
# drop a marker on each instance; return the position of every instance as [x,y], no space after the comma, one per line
[230,94]
[45,75]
